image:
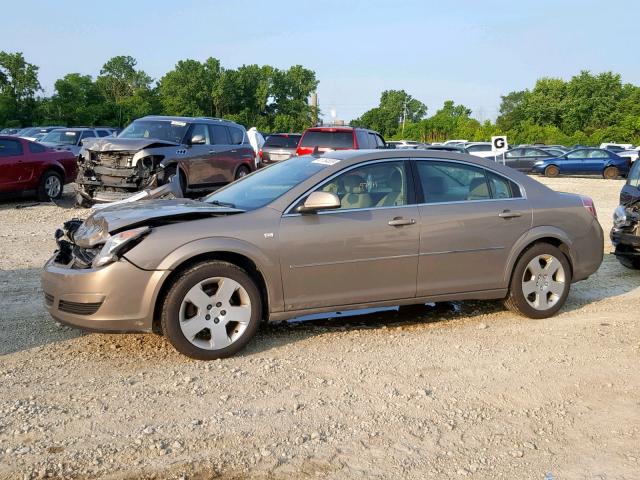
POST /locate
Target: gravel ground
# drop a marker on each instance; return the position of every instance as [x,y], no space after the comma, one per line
[450,391]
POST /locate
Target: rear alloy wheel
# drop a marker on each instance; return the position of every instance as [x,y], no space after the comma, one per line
[50,187]
[610,173]
[242,172]
[551,171]
[211,311]
[540,282]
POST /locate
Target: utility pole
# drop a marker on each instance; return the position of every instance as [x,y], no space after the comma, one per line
[404,115]
[314,108]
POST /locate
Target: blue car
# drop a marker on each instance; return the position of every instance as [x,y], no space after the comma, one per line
[584,161]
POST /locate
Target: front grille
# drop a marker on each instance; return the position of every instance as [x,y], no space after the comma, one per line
[79,308]
[48,299]
[114,159]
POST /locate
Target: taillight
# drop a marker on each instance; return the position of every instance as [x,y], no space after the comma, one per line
[260,153]
[587,203]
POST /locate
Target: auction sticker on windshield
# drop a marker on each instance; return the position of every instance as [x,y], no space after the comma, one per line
[326,161]
[179,124]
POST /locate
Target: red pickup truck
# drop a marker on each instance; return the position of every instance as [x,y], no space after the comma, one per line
[27,165]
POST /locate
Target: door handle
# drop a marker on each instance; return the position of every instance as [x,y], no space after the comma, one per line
[509,214]
[234,151]
[212,151]
[399,221]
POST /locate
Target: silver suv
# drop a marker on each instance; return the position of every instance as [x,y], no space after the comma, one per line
[204,152]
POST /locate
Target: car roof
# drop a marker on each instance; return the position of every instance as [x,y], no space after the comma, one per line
[168,118]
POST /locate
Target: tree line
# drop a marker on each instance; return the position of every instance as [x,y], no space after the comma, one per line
[263,96]
[588,109]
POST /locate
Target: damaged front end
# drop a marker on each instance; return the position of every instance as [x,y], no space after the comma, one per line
[625,234]
[112,170]
[86,244]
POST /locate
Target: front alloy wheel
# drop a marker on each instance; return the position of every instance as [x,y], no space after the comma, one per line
[211,311]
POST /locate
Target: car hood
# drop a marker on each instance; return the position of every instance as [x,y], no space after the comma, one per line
[100,225]
[58,146]
[110,144]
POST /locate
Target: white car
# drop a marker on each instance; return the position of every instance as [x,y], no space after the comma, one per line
[455,142]
[480,149]
[632,154]
[406,144]
[616,147]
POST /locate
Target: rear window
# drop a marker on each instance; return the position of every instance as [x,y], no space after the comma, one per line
[327,139]
[282,141]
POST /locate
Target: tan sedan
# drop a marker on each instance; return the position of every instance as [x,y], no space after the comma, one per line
[345,230]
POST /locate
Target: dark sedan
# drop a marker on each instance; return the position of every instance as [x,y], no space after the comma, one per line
[278,147]
[584,161]
[523,159]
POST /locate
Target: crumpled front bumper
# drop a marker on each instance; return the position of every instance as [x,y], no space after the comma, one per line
[119,297]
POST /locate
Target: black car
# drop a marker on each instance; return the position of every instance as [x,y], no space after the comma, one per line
[447,148]
[278,147]
[625,234]
[523,158]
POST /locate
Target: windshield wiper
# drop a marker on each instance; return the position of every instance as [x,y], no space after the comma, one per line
[223,204]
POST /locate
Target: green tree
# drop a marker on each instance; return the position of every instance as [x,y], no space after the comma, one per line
[396,107]
[127,91]
[18,87]
[76,101]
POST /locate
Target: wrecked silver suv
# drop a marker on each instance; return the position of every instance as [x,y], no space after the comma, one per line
[203,152]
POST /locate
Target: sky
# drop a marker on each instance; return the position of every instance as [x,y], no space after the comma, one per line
[470,52]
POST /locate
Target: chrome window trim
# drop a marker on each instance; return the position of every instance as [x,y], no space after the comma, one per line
[523,192]
[288,213]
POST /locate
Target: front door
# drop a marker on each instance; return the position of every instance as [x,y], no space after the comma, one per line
[198,155]
[365,251]
[470,219]
[14,170]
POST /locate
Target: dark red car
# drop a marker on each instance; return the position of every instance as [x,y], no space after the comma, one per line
[338,138]
[26,165]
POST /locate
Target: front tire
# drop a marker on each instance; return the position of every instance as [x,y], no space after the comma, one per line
[211,311]
[540,282]
[242,171]
[50,186]
[610,173]
[551,171]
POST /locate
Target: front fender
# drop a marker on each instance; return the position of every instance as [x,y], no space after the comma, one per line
[269,269]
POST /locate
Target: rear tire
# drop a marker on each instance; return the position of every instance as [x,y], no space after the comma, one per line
[610,173]
[540,282]
[242,171]
[50,186]
[211,311]
[551,171]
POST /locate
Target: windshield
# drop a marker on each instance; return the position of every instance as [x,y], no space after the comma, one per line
[168,130]
[266,185]
[64,137]
[282,141]
[327,139]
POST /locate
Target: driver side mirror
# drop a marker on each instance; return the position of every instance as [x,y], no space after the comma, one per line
[319,201]
[197,140]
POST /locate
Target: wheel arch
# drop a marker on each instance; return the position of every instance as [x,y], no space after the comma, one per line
[233,257]
[548,234]
[55,167]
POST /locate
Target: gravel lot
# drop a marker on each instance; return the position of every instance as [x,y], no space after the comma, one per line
[450,391]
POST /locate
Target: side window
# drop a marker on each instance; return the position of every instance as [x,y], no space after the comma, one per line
[363,139]
[237,135]
[376,185]
[379,141]
[452,182]
[200,129]
[514,153]
[372,140]
[10,148]
[88,134]
[598,154]
[36,148]
[103,133]
[218,134]
[578,154]
[533,152]
[502,187]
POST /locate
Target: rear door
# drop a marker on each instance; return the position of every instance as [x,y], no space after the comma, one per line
[240,153]
[15,170]
[594,162]
[470,218]
[365,251]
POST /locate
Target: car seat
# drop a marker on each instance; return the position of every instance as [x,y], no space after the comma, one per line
[396,196]
[478,189]
[355,196]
